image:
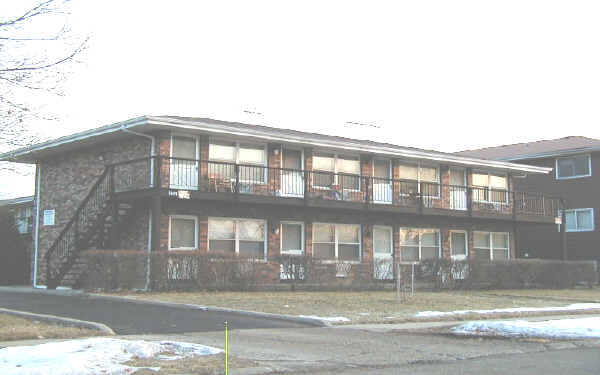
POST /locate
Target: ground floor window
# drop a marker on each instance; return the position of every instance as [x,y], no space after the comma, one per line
[458,244]
[183,232]
[292,238]
[418,244]
[245,237]
[580,220]
[491,245]
[336,241]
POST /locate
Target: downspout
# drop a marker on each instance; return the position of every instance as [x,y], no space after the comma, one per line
[152,157]
[36,235]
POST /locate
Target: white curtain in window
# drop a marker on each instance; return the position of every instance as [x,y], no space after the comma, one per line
[224,152]
[252,155]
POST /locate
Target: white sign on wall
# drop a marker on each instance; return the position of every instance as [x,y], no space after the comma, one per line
[49,217]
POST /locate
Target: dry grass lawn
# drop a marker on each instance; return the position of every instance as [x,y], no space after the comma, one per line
[203,365]
[16,328]
[369,307]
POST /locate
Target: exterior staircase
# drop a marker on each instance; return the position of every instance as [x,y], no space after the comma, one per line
[94,226]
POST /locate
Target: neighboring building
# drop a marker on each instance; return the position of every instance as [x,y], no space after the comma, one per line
[575,177]
[199,184]
[22,209]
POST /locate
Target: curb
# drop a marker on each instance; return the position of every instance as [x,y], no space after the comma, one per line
[255,314]
[60,320]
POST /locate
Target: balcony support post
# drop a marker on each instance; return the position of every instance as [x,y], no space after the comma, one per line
[563,231]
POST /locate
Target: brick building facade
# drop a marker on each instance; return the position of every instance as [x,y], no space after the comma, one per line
[176,184]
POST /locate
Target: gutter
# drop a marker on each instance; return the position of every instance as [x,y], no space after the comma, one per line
[36,236]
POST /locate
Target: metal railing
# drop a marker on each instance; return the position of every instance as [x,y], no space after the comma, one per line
[231,178]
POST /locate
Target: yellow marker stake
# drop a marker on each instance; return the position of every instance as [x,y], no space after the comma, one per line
[226,349]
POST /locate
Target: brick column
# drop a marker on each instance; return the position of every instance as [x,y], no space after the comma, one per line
[308,237]
[203,233]
[367,243]
[445,242]
[273,239]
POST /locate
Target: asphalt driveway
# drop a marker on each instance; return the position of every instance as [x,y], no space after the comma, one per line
[126,317]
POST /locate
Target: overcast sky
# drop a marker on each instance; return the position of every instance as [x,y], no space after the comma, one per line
[445,75]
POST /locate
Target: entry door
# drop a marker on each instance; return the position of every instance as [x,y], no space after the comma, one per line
[382,182]
[383,261]
[292,178]
[458,189]
[184,163]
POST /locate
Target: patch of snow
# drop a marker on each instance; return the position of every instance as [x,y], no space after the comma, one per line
[572,307]
[91,356]
[364,314]
[559,328]
[332,319]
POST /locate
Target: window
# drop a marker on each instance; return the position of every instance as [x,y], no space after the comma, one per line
[245,237]
[336,241]
[183,233]
[573,167]
[49,217]
[252,157]
[427,178]
[419,244]
[458,244]
[580,220]
[382,241]
[24,219]
[491,245]
[327,167]
[292,238]
[489,187]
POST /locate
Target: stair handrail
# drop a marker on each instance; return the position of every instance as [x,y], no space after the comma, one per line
[74,218]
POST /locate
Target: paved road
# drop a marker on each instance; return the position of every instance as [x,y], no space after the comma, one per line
[133,318]
[572,362]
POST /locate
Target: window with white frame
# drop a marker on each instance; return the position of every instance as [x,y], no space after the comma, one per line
[427,179]
[575,166]
[24,219]
[458,244]
[580,220]
[418,244]
[253,160]
[333,169]
[183,232]
[489,187]
[292,238]
[336,241]
[245,237]
[491,245]
[382,241]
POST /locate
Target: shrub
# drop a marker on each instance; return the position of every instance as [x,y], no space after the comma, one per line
[507,274]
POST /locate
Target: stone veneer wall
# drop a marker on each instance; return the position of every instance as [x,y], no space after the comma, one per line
[67,178]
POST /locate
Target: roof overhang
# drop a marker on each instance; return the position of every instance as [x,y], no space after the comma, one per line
[550,154]
[149,124]
[16,201]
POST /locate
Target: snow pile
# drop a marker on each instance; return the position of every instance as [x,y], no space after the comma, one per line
[331,319]
[575,306]
[559,328]
[91,356]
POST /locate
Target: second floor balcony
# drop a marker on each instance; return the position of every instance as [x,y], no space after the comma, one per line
[220,180]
